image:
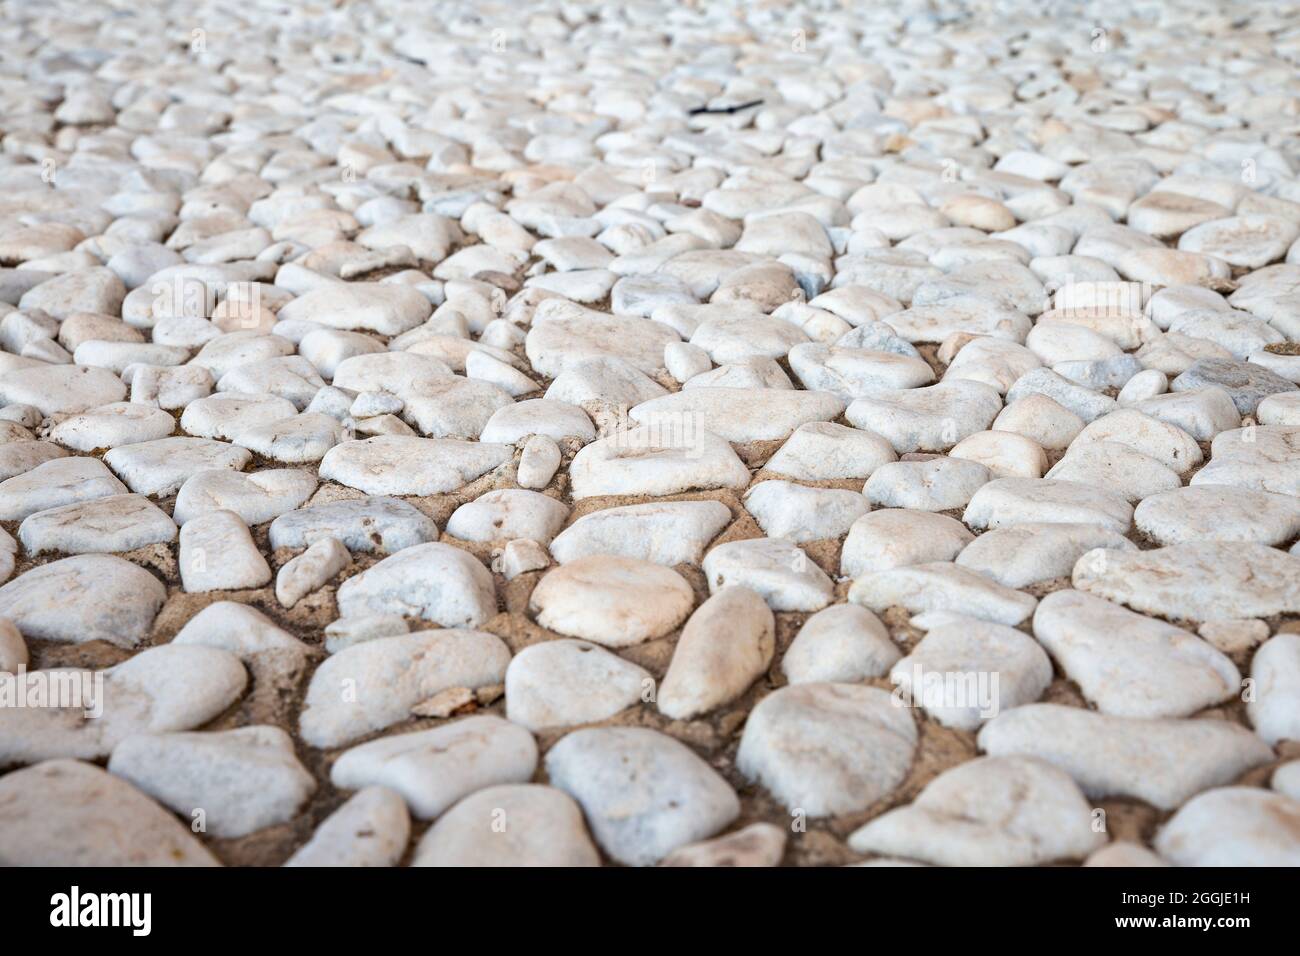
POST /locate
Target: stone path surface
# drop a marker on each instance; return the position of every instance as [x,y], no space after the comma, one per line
[671,433]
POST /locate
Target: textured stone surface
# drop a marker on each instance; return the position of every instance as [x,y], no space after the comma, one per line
[612,601]
[432,769]
[1201,580]
[1163,762]
[510,825]
[643,793]
[827,749]
[69,813]
[418,385]
[724,647]
[369,686]
[994,811]
[84,598]
[1233,826]
[432,581]
[1131,665]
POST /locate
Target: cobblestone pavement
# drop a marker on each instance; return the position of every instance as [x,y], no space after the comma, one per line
[649,433]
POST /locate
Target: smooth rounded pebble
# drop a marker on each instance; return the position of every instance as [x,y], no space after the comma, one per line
[371,829]
[509,825]
[372,685]
[432,769]
[825,749]
[724,647]
[644,794]
[992,811]
[228,783]
[1162,762]
[1233,826]
[433,581]
[842,644]
[780,572]
[667,532]
[612,601]
[566,682]
[84,598]
[897,537]
[69,813]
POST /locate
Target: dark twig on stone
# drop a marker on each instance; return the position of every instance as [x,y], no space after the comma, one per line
[725,109]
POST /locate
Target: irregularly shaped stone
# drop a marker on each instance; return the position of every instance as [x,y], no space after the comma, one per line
[1130,665]
[217,553]
[69,813]
[896,537]
[1266,458]
[538,462]
[1233,826]
[509,825]
[965,673]
[1201,580]
[563,683]
[239,780]
[1166,443]
[1163,762]
[160,690]
[827,749]
[506,514]
[1218,513]
[161,466]
[433,581]
[843,643]
[118,423]
[1114,467]
[1086,403]
[101,525]
[933,418]
[656,460]
[432,769]
[61,389]
[612,601]
[935,484]
[1246,383]
[1041,419]
[386,308]
[798,513]
[644,794]
[371,829]
[724,647]
[539,416]
[738,414]
[1009,501]
[994,811]
[776,569]
[404,465]
[374,684]
[52,484]
[759,844]
[1201,412]
[939,586]
[245,632]
[818,451]
[377,524]
[564,334]
[308,571]
[255,497]
[1005,455]
[667,533]
[1275,709]
[1022,555]
[84,598]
